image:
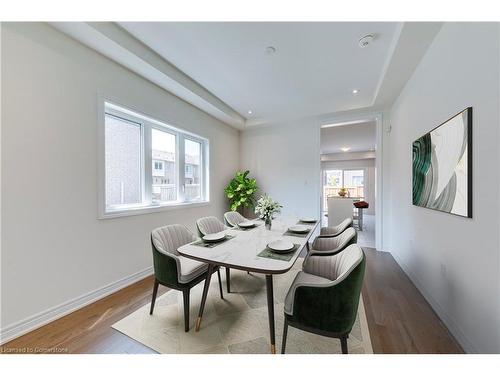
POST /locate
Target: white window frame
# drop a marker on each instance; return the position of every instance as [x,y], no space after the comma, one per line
[147,124]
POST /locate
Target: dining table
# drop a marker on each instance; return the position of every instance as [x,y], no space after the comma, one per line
[247,250]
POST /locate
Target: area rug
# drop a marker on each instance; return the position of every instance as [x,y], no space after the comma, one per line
[238,324]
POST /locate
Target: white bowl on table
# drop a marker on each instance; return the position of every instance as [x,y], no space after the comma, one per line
[214,237]
[247,224]
[308,220]
[281,246]
[299,228]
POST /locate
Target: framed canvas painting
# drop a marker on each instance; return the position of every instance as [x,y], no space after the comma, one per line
[442,166]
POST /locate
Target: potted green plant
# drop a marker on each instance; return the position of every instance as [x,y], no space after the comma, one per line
[241,190]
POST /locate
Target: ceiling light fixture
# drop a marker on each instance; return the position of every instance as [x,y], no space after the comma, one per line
[345,149]
[250,111]
[270,50]
[355,91]
[366,40]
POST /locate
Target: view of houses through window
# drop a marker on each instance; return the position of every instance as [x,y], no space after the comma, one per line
[176,169]
[350,179]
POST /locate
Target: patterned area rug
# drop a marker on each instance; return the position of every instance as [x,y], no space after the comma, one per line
[238,324]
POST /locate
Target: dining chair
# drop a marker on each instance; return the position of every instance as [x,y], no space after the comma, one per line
[172,269]
[333,245]
[233,218]
[208,225]
[337,229]
[324,297]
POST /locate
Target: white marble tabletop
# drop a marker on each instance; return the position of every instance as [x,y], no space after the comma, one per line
[241,251]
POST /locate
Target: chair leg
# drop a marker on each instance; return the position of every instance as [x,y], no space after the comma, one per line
[220,284]
[285,332]
[343,344]
[228,280]
[153,300]
[185,295]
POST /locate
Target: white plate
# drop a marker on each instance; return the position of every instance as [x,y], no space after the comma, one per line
[281,246]
[247,224]
[308,220]
[214,237]
[299,228]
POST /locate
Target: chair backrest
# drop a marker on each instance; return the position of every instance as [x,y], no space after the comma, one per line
[349,236]
[209,225]
[332,306]
[338,243]
[169,238]
[335,267]
[233,218]
[336,230]
[346,223]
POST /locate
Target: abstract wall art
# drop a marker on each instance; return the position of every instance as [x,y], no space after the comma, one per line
[442,166]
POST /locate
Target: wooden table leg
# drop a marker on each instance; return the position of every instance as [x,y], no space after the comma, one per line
[204,296]
[270,311]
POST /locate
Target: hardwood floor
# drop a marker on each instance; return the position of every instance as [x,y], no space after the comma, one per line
[399,318]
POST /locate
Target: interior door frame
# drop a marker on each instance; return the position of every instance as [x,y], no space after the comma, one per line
[353,118]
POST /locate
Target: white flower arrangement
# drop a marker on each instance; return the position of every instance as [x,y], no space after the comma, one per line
[266,207]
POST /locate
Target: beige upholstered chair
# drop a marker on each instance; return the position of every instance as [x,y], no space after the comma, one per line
[209,225]
[233,218]
[172,269]
[336,230]
[333,245]
[324,296]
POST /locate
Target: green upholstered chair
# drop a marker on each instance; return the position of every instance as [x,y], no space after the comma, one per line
[209,225]
[233,218]
[324,296]
[172,269]
[336,230]
[333,245]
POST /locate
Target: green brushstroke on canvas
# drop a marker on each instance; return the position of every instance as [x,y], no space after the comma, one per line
[422,151]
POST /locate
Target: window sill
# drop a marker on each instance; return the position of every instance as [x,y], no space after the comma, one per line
[142,210]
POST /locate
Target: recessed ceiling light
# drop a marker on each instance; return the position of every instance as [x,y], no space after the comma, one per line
[270,50]
[250,112]
[345,149]
[355,91]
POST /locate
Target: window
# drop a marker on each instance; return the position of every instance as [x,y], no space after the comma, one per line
[123,158]
[158,165]
[149,164]
[335,179]
[192,175]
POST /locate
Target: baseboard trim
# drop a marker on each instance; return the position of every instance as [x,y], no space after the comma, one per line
[448,321]
[36,321]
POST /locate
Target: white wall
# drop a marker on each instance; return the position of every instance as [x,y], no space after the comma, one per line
[454,261]
[54,248]
[285,160]
[368,165]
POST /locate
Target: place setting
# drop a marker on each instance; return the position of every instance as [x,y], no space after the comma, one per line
[299,229]
[281,249]
[246,225]
[307,220]
[213,239]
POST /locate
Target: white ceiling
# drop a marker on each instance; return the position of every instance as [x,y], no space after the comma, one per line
[359,137]
[315,68]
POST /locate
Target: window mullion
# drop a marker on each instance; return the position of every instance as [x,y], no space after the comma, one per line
[148,162]
[181,156]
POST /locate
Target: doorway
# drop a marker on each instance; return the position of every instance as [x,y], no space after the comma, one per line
[348,176]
